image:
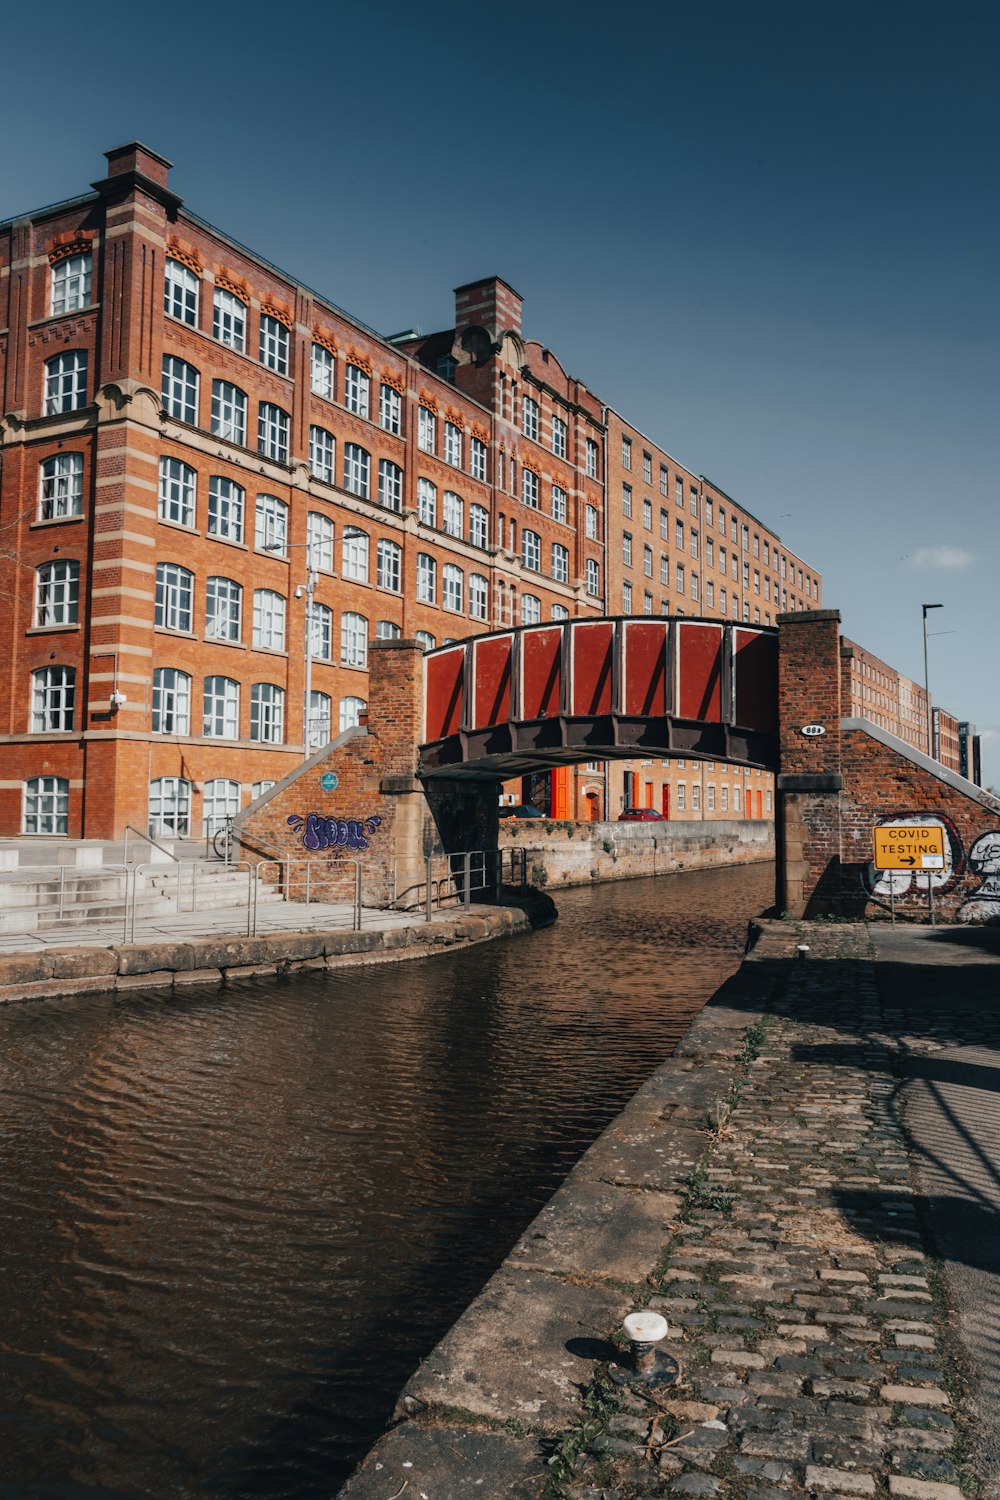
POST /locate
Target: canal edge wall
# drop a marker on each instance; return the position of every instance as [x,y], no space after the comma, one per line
[516,1360]
[564,854]
[226,959]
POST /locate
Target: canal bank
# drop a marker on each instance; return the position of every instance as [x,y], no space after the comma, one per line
[784,1190]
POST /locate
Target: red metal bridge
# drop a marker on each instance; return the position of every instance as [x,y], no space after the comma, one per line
[539,696]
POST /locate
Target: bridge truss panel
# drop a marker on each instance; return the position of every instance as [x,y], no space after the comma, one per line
[592,668]
[755,680]
[645,678]
[699,664]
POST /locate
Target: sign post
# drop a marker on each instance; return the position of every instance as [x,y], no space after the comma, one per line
[915,847]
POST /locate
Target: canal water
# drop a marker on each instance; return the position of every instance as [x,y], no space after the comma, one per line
[234,1220]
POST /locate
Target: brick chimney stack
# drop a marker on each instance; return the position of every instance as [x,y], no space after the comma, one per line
[489,304]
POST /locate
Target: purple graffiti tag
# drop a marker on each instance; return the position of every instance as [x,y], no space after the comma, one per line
[334,833]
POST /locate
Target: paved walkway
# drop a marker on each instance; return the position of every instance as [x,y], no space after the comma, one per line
[825,1349]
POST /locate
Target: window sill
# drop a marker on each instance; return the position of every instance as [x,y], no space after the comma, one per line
[52,629]
[55,520]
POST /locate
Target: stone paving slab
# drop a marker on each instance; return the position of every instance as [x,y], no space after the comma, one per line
[448,1463]
[818,1354]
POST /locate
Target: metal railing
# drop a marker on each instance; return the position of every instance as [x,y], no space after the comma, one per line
[61,895]
[137,833]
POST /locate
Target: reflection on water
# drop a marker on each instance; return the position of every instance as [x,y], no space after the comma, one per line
[233,1221]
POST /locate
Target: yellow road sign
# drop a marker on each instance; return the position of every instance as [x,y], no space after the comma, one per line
[910,846]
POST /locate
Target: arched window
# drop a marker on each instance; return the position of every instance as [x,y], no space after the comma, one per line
[319,542]
[357,389]
[71,283]
[426,578]
[354,554]
[273,426]
[229,320]
[479,594]
[174,595]
[531,609]
[57,593]
[271,525]
[53,695]
[357,470]
[320,631]
[169,807]
[322,454]
[61,487]
[221,801]
[180,293]
[178,483]
[268,620]
[353,640]
[320,716]
[321,372]
[390,562]
[267,713]
[221,708]
[452,587]
[179,389]
[351,710]
[387,630]
[171,701]
[454,514]
[223,609]
[46,805]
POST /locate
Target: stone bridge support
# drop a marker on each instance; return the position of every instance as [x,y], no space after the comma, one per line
[839,777]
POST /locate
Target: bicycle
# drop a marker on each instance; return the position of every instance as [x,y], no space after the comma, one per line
[223,840]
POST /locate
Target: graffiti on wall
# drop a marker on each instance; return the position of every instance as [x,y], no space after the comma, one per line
[886,884]
[321,832]
[983,904]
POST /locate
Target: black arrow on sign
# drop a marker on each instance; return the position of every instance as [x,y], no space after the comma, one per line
[907,859]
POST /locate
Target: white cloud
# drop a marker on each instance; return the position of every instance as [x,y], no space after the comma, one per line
[948,559]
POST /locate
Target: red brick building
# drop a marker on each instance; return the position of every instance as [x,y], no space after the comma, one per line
[201,459]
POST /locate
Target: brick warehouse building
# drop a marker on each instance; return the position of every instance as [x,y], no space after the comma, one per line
[199,455]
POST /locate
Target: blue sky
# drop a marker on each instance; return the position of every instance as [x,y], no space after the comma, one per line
[765,233]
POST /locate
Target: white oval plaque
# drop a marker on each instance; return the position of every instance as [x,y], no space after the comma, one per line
[811,731]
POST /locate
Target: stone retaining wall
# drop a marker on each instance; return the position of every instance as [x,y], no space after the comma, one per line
[564,854]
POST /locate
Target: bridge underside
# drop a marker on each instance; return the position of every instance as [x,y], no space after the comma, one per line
[511,749]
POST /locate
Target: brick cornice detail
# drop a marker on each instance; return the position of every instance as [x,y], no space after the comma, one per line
[360,358]
[426,399]
[277,310]
[394,379]
[324,338]
[480,432]
[230,282]
[188,256]
[70,242]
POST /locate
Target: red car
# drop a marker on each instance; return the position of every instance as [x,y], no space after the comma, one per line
[641,815]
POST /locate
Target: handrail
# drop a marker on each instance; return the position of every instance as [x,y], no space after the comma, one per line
[162,847]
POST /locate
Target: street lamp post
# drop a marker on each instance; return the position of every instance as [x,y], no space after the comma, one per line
[927,684]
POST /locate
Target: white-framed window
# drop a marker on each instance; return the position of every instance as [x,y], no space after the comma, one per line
[169,807]
[174,597]
[179,389]
[319,542]
[387,630]
[427,502]
[647,468]
[529,417]
[590,522]
[226,500]
[353,640]
[351,709]
[679,535]
[529,488]
[531,550]
[558,437]
[389,565]
[424,640]
[679,578]
[558,503]
[221,708]
[647,514]
[560,562]
[453,512]
[664,481]
[627,548]
[229,320]
[479,526]
[71,283]
[452,587]
[664,570]
[479,595]
[322,454]
[53,695]
[321,368]
[223,609]
[694,585]
[60,486]
[354,554]
[390,485]
[477,458]
[180,293]
[357,470]
[592,575]
[710,593]
[647,560]
[453,445]
[626,452]
[724,791]
[229,412]
[273,344]
[320,727]
[272,432]
[46,805]
[320,631]
[426,430]
[267,713]
[679,491]
[693,499]
[259,788]
[57,593]
[426,578]
[647,603]
[177,492]
[531,609]
[171,701]
[269,611]
[736,799]
[626,598]
[696,797]
[558,612]
[593,458]
[270,526]
[390,408]
[220,800]
[626,499]
[357,390]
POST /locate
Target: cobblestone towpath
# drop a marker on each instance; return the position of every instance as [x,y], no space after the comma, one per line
[837,1338]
